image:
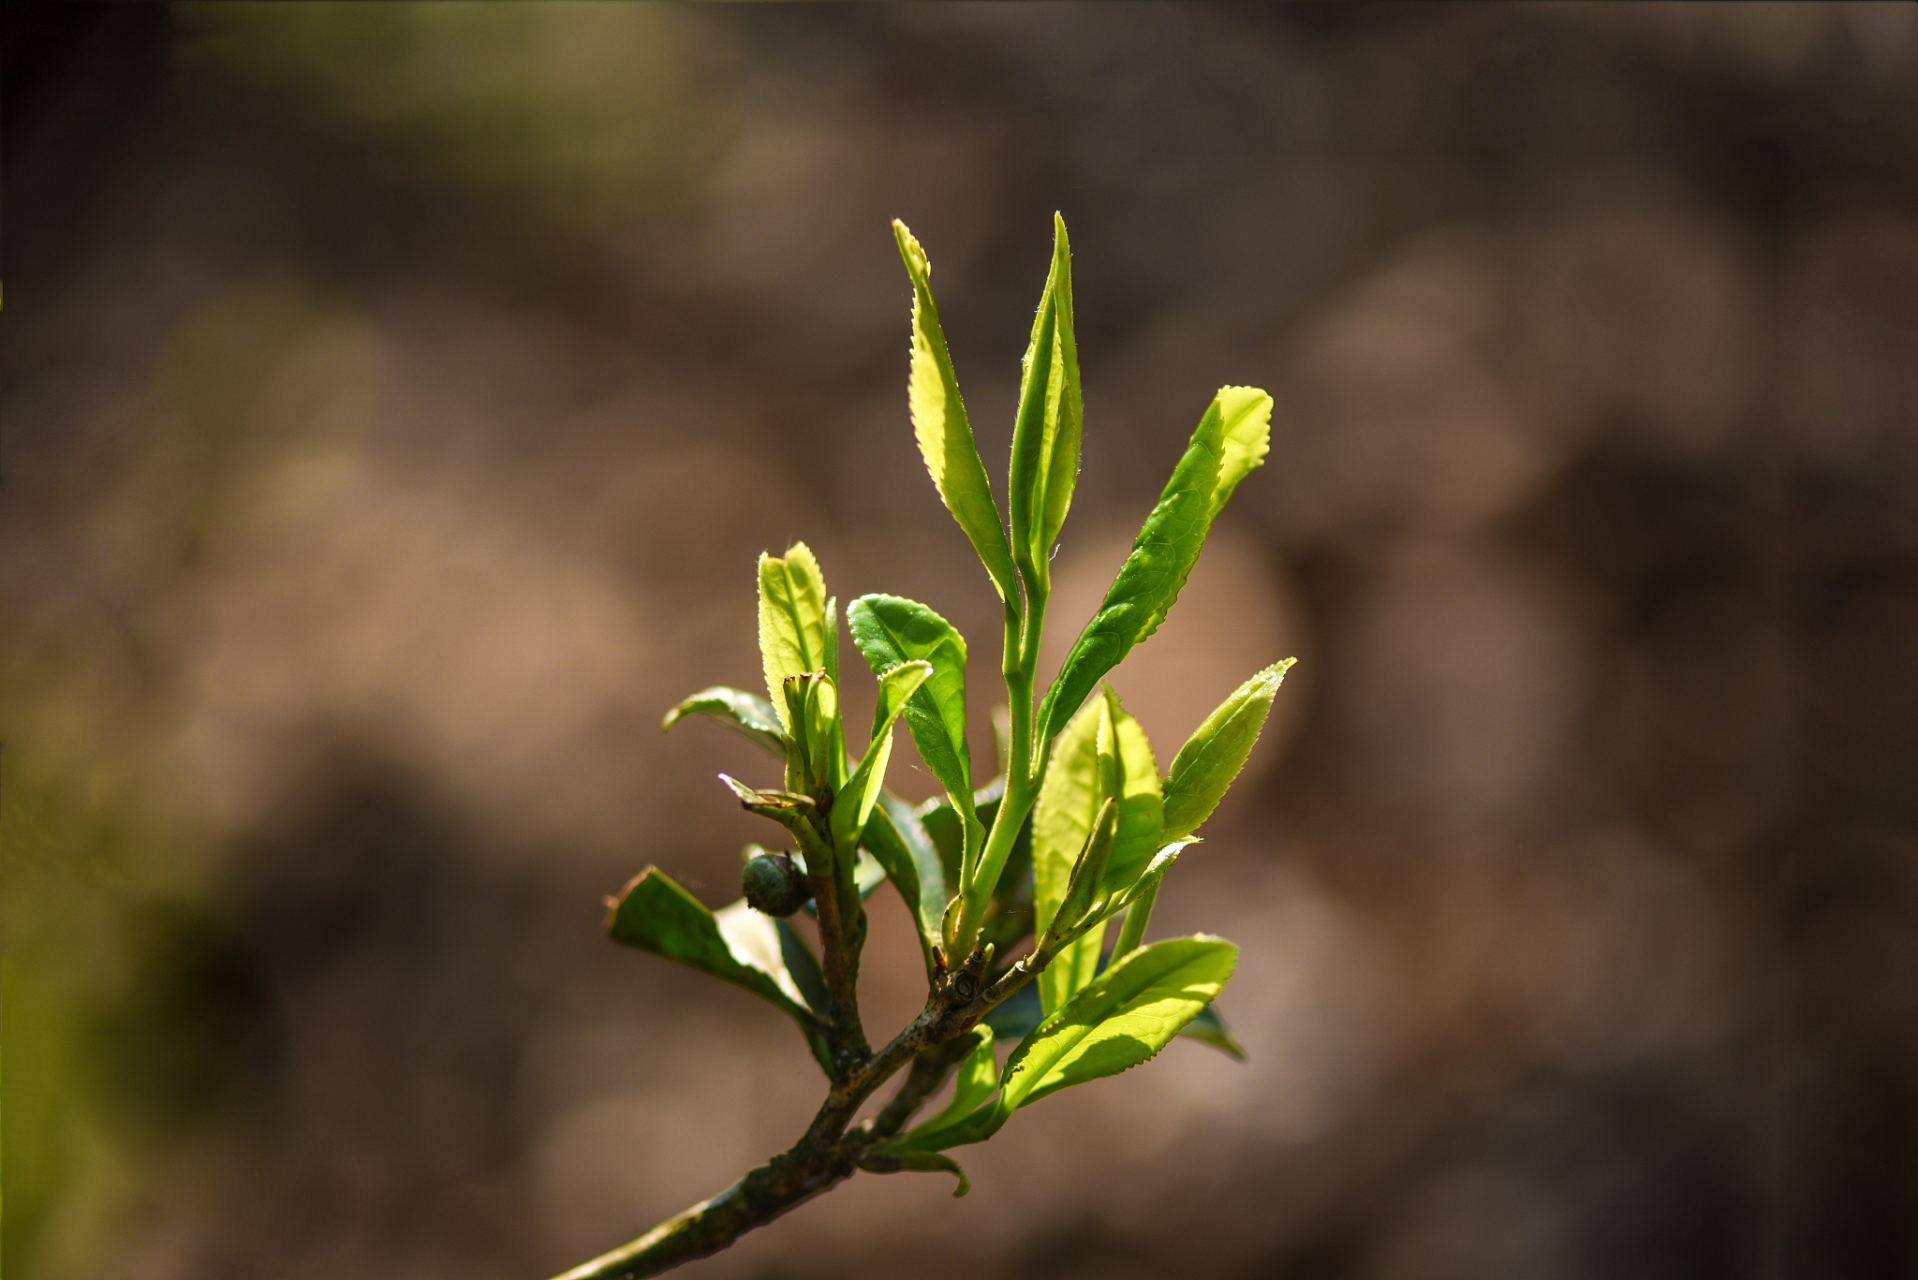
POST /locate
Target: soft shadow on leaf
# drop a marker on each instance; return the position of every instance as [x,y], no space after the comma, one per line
[745,713]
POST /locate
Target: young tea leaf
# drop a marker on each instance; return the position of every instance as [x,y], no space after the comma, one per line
[794,637]
[899,842]
[1127,1015]
[654,914]
[889,630]
[1045,436]
[945,436]
[747,714]
[1231,440]
[1212,757]
[1132,777]
[854,804]
[1069,799]
[817,762]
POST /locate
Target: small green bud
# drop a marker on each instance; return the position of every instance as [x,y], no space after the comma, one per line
[773,885]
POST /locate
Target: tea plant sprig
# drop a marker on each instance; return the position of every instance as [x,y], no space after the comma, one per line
[1078,828]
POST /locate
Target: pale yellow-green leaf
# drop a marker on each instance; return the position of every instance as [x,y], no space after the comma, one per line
[945,436]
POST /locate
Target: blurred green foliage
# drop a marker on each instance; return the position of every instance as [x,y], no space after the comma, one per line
[594,114]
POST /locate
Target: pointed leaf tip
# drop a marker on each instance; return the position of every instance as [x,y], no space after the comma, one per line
[1217,750]
[1047,430]
[942,430]
[1232,439]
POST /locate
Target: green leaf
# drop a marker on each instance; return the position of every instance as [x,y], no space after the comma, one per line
[817,763]
[899,842]
[885,1161]
[770,946]
[1083,900]
[1212,757]
[1231,440]
[794,635]
[746,713]
[972,1084]
[656,915]
[944,435]
[1131,775]
[1127,1015]
[853,806]
[947,831]
[1069,799]
[1045,436]
[1103,753]
[1209,1028]
[889,630]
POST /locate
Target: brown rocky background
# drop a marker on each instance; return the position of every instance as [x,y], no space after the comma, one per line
[395,400]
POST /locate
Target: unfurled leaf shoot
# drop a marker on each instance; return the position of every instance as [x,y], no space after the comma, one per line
[1011,883]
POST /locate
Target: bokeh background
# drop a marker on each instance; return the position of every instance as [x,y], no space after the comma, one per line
[396,397]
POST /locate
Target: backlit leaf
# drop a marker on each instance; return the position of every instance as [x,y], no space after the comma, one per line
[1045,436]
[854,804]
[1069,798]
[1231,440]
[1127,1015]
[1132,777]
[743,712]
[889,630]
[945,437]
[1212,757]
[794,637]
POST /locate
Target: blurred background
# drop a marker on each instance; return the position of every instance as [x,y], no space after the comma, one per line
[396,397]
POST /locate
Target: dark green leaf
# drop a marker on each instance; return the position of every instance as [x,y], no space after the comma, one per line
[1231,440]
[1045,436]
[656,915]
[889,630]
[748,714]
[900,843]
[1212,757]
[916,1162]
[947,831]
[1209,1028]
[945,437]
